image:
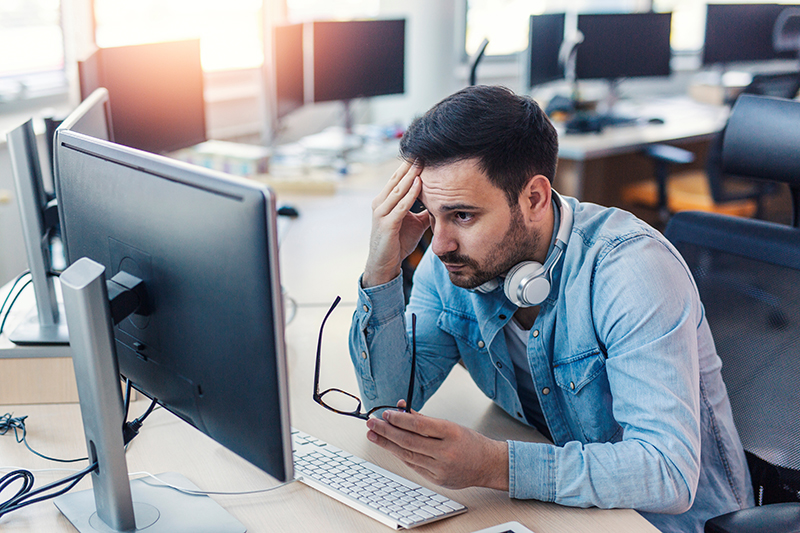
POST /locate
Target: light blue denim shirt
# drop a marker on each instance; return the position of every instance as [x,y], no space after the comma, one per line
[622,360]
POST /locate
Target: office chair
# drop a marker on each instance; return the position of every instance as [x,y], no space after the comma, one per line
[711,189]
[786,32]
[748,274]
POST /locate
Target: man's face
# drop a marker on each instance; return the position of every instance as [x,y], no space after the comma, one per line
[476,234]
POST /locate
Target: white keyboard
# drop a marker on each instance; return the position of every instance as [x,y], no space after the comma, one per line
[368,488]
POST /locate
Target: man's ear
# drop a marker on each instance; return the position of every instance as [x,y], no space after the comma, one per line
[534,200]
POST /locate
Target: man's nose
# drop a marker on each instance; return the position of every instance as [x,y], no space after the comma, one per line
[443,242]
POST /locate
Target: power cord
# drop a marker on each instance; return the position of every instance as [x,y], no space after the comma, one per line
[10,292]
[25,494]
[131,429]
[210,492]
[17,424]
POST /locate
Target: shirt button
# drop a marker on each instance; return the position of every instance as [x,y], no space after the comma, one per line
[503,317]
[363,355]
[519,414]
[499,364]
[366,308]
[536,333]
[546,391]
[481,344]
[572,385]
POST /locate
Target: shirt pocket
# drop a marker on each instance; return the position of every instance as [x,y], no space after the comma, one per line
[583,383]
[472,349]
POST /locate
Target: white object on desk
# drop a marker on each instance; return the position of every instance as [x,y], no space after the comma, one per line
[508,527]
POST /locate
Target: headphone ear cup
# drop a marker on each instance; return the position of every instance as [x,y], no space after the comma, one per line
[526,285]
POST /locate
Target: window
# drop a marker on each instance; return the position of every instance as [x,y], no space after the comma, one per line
[32,63]
[307,10]
[505,22]
[230,31]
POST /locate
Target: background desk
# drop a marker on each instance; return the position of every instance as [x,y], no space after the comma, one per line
[594,166]
[322,254]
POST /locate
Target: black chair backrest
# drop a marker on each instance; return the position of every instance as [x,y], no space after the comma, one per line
[762,140]
[748,275]
[778,85]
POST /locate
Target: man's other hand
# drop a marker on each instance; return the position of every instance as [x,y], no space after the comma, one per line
[443,452]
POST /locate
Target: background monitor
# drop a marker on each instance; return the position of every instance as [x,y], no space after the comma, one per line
[156,93]
[545,37]
[210,346]
[289,87]
[358,58]
[623,45]
[741,32]
[45,323]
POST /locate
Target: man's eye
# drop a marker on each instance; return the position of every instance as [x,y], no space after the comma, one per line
[463,217]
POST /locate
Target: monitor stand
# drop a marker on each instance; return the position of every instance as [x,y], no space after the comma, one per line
[115,504]
[46,324]
[607,114]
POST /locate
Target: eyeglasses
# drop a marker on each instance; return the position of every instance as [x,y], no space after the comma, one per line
[344,403]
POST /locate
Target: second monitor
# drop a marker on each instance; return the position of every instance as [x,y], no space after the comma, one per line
[545,38]
[623,45]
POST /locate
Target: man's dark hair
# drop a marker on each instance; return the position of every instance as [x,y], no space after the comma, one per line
[509,135]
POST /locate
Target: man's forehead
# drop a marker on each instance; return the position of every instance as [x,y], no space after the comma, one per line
[462,183]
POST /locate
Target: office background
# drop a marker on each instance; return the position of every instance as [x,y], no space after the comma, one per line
[51,36]
[225,55]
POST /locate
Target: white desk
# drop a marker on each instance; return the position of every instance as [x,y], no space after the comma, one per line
[322,254]
[168,444]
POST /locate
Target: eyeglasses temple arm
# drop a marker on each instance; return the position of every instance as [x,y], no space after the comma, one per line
[319,346]
[410,395]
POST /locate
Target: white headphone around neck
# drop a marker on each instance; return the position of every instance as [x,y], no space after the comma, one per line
[528,283]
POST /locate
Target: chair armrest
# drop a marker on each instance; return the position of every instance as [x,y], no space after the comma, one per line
[772,518]
[669,154]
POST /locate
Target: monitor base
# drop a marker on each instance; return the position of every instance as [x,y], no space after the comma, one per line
[31,332]
[157,508]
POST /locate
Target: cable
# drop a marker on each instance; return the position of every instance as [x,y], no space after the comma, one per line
[39,470]
[9,423]
[127,403]
[10,292]
[169,485]
[131,429]
[25,496]
[209,492]
[8,311]
[12,289]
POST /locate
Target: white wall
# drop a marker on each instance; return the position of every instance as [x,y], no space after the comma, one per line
[431,58]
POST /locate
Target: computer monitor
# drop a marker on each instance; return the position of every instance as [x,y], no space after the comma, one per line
[289,68]
[741,32]
[358,58]
[623,45]
[45,323]
[156,93]
[208,341]
[545,38]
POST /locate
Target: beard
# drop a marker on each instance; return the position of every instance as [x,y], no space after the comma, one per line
[514,247]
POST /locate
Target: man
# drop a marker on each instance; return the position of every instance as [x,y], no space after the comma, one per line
[601,342]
